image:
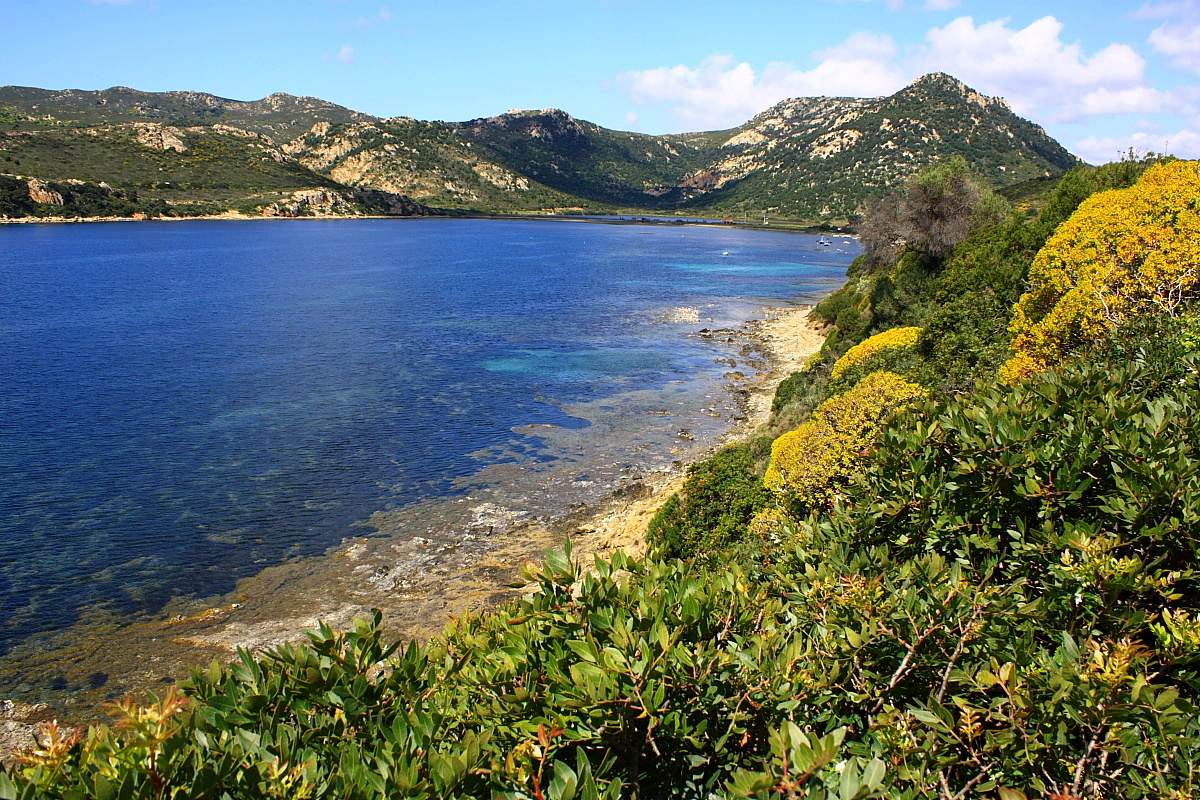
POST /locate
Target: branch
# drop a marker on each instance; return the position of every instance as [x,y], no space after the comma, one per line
[962,642]
[1083,762]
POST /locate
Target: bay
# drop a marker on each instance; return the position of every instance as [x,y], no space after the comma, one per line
[183,405]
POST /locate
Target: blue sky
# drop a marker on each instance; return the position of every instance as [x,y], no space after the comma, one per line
[1100,76]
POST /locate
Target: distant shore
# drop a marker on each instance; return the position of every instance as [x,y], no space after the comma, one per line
[788,226]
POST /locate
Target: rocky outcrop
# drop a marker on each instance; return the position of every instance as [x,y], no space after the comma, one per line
[40,193]
[159,137]
[311,203]
[704,179]
[19,727]
[361,202]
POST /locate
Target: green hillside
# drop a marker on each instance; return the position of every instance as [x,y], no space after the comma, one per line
[280,116]
[814,160]
[585,160]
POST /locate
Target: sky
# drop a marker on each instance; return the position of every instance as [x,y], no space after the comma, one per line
[1101,77]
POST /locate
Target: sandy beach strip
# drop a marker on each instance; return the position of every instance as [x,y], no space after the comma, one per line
[787,337]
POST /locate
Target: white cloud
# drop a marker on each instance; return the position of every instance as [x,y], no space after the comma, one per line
[1138,100]
[632,118]
[1184,143]
[1034,69]
[384,15]
[346,54]
[723,92]
[1180,42]
[941,5]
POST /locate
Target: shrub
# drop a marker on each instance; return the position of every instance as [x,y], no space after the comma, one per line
[719,498]
[1122,254]
[1083,481]
[896,338]
[810,466]
[937,210]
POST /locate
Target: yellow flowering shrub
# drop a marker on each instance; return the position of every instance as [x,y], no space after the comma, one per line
[811,464]
[1122,254]
[894,339]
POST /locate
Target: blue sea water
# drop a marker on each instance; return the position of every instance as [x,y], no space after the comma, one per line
[183,404]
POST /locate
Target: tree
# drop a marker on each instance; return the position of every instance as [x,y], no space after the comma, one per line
[938,209]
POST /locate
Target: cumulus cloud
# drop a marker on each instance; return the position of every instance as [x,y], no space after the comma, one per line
[723,92]
[1138,100]
[1184,143]
[1035,70]
[1180,42]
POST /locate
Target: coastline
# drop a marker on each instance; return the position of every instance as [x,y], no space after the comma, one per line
[787,338]
[632,218]
[420,581]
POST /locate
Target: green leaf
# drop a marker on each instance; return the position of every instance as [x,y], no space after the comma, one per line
[564,783]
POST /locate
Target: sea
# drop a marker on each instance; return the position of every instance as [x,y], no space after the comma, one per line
[186,405]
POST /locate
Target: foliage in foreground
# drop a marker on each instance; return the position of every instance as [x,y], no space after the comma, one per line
[1008,600]
[719,498]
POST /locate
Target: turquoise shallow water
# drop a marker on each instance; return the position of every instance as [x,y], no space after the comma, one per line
[183,404]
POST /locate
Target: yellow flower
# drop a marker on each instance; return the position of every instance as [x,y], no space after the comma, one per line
[813,462]
[894,339]
[1123,253]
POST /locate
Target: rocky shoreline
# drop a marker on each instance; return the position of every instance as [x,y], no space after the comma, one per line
[458,566]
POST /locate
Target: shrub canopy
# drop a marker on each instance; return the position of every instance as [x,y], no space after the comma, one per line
[1123,254]
[810,465]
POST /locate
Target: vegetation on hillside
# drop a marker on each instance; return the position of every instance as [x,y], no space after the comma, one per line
[813,160]
[994,594]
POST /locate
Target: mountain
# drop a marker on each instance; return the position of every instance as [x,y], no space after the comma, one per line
[826,155]
[812,159]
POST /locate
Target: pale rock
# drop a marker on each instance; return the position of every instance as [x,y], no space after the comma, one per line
[40,193]
[159,137]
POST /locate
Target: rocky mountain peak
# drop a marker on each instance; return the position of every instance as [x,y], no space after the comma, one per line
[941,83]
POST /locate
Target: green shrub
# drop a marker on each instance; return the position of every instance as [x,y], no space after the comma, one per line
[811,465]
[719,498]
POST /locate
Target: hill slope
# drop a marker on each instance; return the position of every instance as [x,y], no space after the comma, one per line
[814,159]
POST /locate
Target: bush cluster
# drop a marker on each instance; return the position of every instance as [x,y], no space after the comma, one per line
[720,496]
[810,465]
[1124,254]
[893,339]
